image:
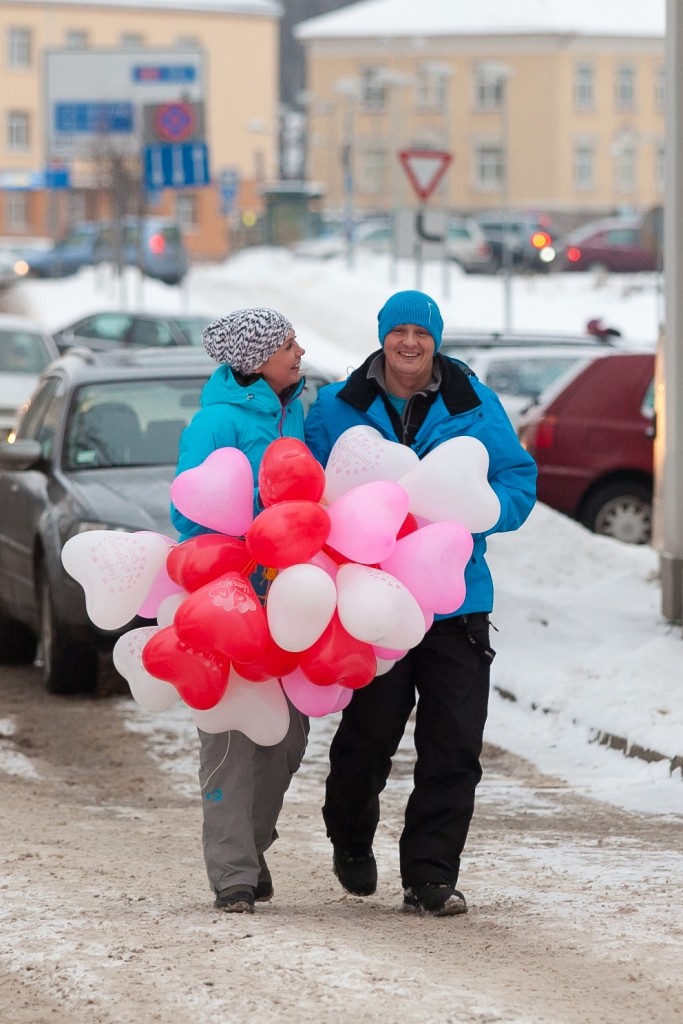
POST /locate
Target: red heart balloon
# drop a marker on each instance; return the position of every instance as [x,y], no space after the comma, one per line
[338,657]
[200,677]
[201,559]
[224,616]
[272,663]
[288,533]
[409,525]
[289,471]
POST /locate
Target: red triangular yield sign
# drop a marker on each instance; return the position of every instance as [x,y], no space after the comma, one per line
[425,168]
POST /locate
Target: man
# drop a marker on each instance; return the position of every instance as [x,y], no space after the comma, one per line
[414,395]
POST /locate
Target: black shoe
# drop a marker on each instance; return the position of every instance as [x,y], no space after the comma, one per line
[236,899]
[264,887]
[356,870]
[437,900]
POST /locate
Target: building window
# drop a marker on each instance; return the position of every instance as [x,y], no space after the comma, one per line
[489,91]
[489,167]
[187,43]
[660,90]
[625,168]
[584,87]
[132,41]
[187,213]
[625,87]
[373,171]
[373,92]
[432,90]
[17,131]
[76,39]
[19,48]
[584,167]
[17,212]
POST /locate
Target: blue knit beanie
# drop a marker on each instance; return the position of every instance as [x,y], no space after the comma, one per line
[411,307]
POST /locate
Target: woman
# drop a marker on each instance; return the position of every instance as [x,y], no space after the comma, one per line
[249,401]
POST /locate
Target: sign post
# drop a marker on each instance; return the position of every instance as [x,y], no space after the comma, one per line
[425,169]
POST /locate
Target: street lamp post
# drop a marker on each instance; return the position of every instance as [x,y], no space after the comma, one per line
[443,73]
[393,82]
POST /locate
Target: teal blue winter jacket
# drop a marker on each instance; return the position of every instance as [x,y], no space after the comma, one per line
[233,415]
[461,405]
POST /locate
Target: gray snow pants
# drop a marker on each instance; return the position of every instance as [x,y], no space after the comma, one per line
[243,788]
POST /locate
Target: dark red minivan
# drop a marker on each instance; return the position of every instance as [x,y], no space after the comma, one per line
[592,439]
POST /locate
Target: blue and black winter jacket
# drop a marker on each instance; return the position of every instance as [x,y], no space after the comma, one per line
[461,406]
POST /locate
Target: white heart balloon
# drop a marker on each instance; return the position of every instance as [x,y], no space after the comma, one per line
[375,607]
[259,710]
[301,601]
[169,606]
[116,570]
[151,693]
[451,482]
[361,455]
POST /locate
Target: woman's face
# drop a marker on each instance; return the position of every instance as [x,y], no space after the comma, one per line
[283,368]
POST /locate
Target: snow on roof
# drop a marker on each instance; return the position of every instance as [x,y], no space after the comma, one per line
[270,8]
[386,18]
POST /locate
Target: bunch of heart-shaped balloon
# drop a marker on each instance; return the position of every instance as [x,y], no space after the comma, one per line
[361,556]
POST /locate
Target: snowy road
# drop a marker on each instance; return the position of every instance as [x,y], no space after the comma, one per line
[105,916]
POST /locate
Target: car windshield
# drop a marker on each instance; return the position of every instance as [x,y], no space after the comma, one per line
[23,352]
[192,327]
[129,423]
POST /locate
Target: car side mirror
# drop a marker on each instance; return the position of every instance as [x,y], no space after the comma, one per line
[23,454]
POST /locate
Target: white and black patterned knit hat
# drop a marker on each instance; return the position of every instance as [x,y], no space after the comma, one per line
[245,338]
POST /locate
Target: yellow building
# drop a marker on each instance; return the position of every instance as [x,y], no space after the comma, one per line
[544,104]
[237,41]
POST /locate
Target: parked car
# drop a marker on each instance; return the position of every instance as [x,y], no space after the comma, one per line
[12,268]
[592,437]
[527,241]
[154,244]
[519,367]
[95,449]
[613,243]
[25,351]
[110,329]
[465,243]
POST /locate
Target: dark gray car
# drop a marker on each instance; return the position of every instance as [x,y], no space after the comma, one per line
[96,449]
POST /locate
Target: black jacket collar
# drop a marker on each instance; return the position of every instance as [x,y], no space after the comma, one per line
[456,391]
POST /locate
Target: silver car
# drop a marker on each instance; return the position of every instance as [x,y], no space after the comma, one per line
[25,351]
[95,450]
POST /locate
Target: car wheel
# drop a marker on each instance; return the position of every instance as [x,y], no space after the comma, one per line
[622,509]
[68,667]
[17,643]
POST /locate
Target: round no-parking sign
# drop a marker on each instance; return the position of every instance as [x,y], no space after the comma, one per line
[175,122]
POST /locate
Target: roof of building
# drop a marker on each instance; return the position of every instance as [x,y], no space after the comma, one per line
[387,18]
[262,8]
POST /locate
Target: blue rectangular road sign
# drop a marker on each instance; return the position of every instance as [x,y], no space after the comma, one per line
[94,118]
[176,165]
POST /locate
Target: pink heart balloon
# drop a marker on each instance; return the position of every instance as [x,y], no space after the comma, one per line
[365,521]
[451,482]
[116,570]
[162,588]
[150,693]
[259,710]
[361,455]
[219,493]
[312,700]
[431,562]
